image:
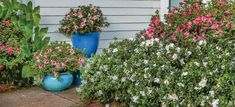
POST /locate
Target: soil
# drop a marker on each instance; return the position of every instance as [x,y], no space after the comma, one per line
[4,87]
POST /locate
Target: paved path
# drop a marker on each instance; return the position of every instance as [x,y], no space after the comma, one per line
[37,97]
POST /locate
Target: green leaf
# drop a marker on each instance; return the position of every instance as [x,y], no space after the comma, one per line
[27,71]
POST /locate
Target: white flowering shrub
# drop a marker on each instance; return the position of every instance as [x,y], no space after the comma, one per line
[170,65]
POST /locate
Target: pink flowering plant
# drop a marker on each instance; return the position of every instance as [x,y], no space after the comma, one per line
[56,58]
[193,20]
[9,51]
[84,19]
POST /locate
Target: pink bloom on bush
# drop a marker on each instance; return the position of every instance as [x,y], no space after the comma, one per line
[202,37]
[219,32]
[83,24]
[41,66]
[46,62]
[10,50]
[156,21]
[80,14]
[227,12]
[63,65]
[95,17]
[1,48]
[53,62]
[56,74]
[173,37]
[81,61]
[171,14]
[215,26]
[1,67]
[149,32]
[72,51]
[182,3]
[197,20]
[6,23]
[186,33]
[189,25]
[196,7]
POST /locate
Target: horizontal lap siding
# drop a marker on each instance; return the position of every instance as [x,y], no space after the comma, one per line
[126,17]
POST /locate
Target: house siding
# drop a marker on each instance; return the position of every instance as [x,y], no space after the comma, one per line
[126,17]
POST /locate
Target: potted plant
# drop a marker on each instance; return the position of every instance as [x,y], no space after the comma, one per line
[55,64]
[84,25]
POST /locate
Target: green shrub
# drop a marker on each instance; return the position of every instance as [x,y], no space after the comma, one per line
[187,61]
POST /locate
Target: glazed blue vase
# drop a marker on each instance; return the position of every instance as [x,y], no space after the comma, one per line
[86,42]
[51,83]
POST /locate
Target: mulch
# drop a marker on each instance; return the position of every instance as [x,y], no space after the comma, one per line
[5,87]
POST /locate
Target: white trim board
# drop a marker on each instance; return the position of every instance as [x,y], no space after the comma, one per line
[164,8]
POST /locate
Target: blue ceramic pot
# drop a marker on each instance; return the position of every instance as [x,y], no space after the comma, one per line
[51,83]
[78,80]
[88,42]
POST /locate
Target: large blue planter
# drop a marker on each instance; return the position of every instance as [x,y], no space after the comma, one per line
[51,83]
[88,42]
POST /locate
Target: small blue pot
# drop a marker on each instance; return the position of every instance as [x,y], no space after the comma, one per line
[78,80]
[51,83]
[88,42]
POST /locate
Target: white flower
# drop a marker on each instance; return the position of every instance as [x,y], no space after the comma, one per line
[189,53]
[78,89]
[182,62]
[123,79]
[156,39]
[212,93]
[115,50]
[146,61]
[172,97]
[92,80]
[135,99]
[149,91]
[174,57]
[223,67]
[146,69]
[156,80]
[180,84]
[166,82]
[154,65]
[100,93]
[167,48]
[202,104]
[178,49]
[218,48]
[184,74]
[158,53]
[227,54]
[202,83]
[114,77]
[142,93]
[205,64]
[197,64]
[215,103]
[202,42]
[136,50]
[171,45]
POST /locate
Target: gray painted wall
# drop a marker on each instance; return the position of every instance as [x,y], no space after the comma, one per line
[127,17]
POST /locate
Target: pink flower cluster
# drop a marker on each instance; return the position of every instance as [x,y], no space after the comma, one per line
[9,50]
[6,23]
[192,19]
[153,28]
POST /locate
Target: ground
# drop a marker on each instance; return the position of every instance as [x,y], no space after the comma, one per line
[38,97]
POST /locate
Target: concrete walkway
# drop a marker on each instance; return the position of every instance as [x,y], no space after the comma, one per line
[37,97]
